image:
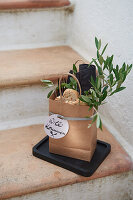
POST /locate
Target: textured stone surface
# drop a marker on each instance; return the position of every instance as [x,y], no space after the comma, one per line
[15,4]
[24,67]
[115,187]
[21,173]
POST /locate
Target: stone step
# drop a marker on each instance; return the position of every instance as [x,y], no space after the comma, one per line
[22,174]
[39,24]
[21,93]
[26,67]
[24,4]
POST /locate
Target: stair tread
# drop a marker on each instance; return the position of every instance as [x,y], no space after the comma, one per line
[22,4]
[23,67]
[21,173]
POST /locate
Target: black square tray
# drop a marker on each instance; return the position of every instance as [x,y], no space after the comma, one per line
[84,168]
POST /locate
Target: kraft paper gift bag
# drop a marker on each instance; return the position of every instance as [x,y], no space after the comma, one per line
[80,141]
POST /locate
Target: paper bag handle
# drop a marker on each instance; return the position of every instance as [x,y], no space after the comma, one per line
[74,77]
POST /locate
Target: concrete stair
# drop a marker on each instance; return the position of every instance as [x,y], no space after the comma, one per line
[33,47]
[39,24]
[25,4]
[23,174]
[24,105]
[23,98]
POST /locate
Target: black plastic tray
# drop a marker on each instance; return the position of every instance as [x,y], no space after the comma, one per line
[84,168]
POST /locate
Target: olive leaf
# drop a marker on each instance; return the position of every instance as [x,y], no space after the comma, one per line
[74,69]
[50,93]
[96,42]
[117,90]
[104,49]
[47,83]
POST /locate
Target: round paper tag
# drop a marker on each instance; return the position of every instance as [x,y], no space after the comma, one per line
[56,127]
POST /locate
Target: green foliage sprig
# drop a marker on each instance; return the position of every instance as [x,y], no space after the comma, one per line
[48,83]
[108,81]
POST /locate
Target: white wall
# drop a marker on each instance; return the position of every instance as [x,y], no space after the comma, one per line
[112,21]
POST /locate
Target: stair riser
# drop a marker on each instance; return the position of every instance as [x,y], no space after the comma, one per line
[117,187]
[21,104]
[31,29]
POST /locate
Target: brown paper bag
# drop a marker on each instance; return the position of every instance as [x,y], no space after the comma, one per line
[80,141]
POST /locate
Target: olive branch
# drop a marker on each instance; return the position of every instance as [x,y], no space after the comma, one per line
[109,81]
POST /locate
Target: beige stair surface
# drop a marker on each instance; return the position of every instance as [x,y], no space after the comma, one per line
[21,4]
[24,67]
[21,173]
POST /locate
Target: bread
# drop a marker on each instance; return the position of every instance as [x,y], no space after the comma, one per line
[57,98]
[70,95]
